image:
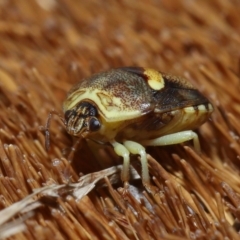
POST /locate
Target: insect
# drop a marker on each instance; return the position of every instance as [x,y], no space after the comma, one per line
[134,107]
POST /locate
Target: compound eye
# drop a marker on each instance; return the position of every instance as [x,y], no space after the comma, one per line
[94,124]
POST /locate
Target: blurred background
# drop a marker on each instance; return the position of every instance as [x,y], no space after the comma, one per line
[46,46]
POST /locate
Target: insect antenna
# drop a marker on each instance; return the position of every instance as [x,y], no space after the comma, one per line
[47,127]
[73,149]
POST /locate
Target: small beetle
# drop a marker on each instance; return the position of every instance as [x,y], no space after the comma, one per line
[133,107]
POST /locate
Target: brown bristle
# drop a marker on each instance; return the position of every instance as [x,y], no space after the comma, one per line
[48,46]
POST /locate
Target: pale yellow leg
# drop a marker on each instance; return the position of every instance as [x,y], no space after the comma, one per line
[122,151]
[174,138]
[136,148]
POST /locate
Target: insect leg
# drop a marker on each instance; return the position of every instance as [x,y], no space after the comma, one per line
[136,148]
[175,138]
[122,151]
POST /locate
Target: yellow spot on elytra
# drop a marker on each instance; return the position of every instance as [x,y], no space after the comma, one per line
[155,79]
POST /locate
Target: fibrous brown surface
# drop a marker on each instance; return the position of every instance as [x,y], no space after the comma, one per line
[46,47]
